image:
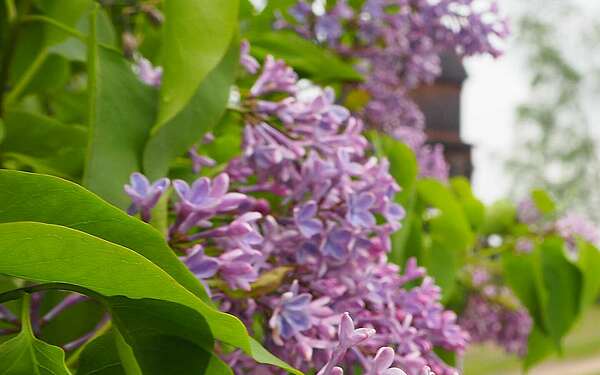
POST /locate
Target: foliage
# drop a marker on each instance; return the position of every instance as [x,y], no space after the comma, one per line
[270,221]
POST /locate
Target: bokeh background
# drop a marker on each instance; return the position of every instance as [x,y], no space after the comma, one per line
[533,119]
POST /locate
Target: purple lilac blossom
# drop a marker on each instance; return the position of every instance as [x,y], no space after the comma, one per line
[144,196]
[571,226]
[492,314]
[310,155]
[150,75]
[398,46]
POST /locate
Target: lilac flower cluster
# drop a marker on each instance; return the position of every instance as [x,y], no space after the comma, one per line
[320,249]
[398,45]
[492,314]
[332,228]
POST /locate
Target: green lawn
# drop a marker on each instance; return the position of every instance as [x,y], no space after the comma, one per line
[582,343]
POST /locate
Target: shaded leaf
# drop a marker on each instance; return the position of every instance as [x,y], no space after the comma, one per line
[197,34]
[201,114]
[45,144]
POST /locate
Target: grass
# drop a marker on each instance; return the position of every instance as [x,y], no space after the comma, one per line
[582,343]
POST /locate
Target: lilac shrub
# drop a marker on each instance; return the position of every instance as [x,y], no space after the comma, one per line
[397,45]
[300,266]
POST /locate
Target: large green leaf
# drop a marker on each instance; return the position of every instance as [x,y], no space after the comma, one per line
[101,357]
[45,144]
[317,62]
[200,115]
[500,217]
[51,200]
[449,231]
[56,254]
[589,264]
[25,354]
[563,284]
[121,114]
[473,208]
[197,34]
[543,201]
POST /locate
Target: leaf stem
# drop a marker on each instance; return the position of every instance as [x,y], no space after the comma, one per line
[69,30]
[26,78]
[25,314]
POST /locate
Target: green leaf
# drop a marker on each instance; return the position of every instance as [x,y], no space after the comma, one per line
[589,265]
[197,34]
[473,208]
[121,115]
[25,354]
[544,203]
[520,275]
[51,200]
[201,114]
[53,253]
[101,357]
[403,163]
[57,254]
[317,62]
[47,144]
[539,346]
[562,282]
[500,217]
[449,231]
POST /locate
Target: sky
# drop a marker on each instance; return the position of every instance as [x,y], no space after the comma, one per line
[491,94]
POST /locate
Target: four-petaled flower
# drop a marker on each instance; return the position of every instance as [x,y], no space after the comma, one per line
[275,77]
[144,195]
[304,217]
[358,210]
[292,314]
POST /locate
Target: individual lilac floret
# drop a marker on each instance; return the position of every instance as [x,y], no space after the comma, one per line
[200,161]
[380,365]
[304,217]
[292,315]
[203,199]
[237,268]
[144,195]
[248,62]
[202,266]
[149,74]
[358,210]
[275,77]
[337,244]
[348,337]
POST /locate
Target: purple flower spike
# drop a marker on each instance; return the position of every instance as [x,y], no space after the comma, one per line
[143,195]
[291,316]
[382,362]
[304,217]
[150,75]
[349,336]
[358,210]
[276,77]
[248,62]
[336,244]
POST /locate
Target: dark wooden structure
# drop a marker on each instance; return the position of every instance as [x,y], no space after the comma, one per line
[440,102]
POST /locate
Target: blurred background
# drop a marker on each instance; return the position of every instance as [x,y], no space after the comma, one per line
[531,118]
